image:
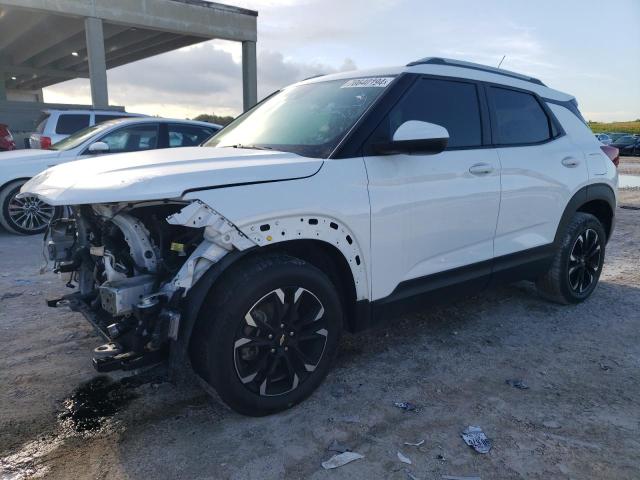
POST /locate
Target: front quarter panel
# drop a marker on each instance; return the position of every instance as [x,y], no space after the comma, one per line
[329,206]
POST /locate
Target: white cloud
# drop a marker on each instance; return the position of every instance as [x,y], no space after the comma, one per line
[200,79]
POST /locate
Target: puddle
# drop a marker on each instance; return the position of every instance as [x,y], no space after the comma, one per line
[93,402]
[629,181]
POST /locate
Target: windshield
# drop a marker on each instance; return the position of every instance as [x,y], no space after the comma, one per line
[78,138]
[625,139]
[308,119]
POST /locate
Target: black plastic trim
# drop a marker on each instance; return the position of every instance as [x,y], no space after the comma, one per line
[453,284]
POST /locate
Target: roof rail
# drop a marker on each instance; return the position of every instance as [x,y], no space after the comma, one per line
[474,66]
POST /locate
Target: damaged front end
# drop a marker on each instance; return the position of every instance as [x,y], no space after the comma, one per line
[133,265]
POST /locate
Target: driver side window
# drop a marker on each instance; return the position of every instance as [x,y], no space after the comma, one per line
[451,104]
[132,139]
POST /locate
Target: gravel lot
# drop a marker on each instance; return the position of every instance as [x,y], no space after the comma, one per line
[578,419]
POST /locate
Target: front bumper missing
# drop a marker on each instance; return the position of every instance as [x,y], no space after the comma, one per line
[125,358]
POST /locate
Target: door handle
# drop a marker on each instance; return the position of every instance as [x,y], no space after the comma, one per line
[481,169]
[570,162]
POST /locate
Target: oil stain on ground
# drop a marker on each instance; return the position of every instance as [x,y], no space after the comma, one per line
[93,402]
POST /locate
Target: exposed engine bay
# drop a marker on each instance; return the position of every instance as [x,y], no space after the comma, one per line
[131,266]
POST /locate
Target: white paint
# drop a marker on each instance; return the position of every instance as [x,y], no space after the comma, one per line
[429,214]
[165,173]
[417,130]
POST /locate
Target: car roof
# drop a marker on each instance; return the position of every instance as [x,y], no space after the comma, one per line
[453,68]
[142,120]
[84,110]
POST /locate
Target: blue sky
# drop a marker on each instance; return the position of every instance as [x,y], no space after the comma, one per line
[588,48]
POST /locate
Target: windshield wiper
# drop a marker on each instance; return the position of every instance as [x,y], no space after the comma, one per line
[250,147]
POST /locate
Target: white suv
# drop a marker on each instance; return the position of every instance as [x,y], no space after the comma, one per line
[330,206]
[56,125]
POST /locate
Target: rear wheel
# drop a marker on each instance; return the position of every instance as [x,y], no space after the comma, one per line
[576,267]
[272,331]
[26,215]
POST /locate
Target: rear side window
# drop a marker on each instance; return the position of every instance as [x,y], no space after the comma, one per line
[104,118]
[187,135]
[451,104]
[519,118]
[69,123]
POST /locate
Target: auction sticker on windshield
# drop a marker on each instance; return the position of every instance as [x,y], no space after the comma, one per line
[372,82]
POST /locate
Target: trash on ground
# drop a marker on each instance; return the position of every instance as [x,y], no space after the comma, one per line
[517,383]
[417,444]
[457,477]
[405,406]
[441,457]
[404,459]
[475,437]
[604,366]
[336,446]
[410,475]
[341,459]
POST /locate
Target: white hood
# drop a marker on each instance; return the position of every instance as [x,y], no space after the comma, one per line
[163,174]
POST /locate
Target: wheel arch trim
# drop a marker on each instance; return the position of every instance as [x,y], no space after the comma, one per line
[588,193]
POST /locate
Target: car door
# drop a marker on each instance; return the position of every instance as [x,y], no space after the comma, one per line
[541,170]
[432,215]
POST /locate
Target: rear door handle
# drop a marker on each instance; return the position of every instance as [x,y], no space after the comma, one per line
[481,169]
[570,162]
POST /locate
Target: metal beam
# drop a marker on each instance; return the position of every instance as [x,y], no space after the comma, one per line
[249,75]
[97,62]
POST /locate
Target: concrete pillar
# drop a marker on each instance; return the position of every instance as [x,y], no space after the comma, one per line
[97,62]
[249,75]
[3,89]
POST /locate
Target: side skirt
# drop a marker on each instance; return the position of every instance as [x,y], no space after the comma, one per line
[444,287]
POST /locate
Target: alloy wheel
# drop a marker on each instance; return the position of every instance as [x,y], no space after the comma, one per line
[584,261]
[280,341]
[30,213]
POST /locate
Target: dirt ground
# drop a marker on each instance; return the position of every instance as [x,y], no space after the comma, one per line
[578,419]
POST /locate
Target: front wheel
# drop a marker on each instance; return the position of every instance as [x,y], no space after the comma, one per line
[577,264]
[26,215]
[268,333]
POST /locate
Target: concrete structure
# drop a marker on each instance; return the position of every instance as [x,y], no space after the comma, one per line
[43,42]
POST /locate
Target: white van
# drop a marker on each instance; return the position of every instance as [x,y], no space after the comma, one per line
[56,125]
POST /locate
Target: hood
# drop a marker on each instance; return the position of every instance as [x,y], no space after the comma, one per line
[163,174]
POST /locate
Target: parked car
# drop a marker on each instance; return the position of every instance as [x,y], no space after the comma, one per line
[56,125]
[30,215]
[604,138]
[6,139]
[334,203]
[628,145]
[616,135]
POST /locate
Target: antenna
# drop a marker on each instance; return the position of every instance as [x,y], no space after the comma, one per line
[503,57]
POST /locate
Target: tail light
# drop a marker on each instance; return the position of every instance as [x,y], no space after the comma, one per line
[612,152]
[45,143]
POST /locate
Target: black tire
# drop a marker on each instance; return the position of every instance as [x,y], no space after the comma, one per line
[39,217]
[577,264]
[259,290]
